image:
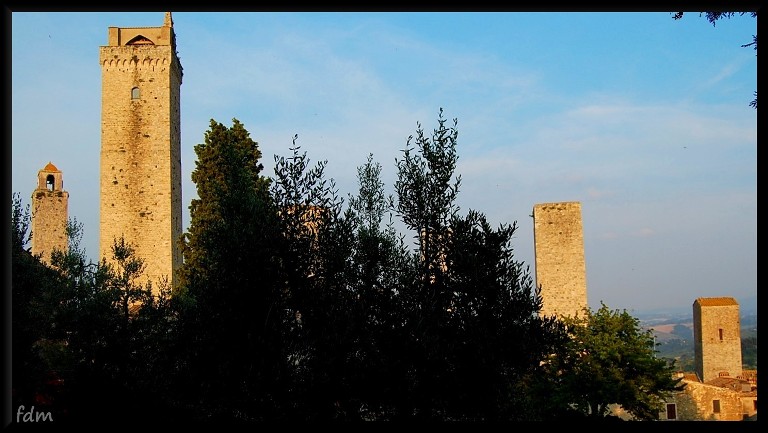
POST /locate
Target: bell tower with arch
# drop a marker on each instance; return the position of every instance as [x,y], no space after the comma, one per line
[49,213]
[140,175]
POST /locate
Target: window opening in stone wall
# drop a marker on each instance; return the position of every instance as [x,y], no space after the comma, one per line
[720,331]
[135,93]
[754,405]
[671,411]
[716,406]
[49,182]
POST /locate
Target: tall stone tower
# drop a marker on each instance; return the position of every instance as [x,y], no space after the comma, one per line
[559,258]
[717,338]
[141,146]
[49,213]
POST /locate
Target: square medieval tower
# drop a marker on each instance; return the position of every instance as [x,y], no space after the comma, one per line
[141,147]
[717,338]
[559,258]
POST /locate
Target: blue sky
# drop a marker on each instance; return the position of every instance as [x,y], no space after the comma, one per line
[643,119]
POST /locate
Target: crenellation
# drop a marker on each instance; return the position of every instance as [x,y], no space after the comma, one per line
[141,147]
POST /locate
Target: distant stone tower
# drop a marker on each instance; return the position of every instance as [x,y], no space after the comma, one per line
[49,213]
[559,258]
[141,146]
[717,338]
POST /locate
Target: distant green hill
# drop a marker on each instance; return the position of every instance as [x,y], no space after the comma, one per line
[675,338]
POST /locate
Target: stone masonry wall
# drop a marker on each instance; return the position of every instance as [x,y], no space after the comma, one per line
[717,338]
[141,155]
[559,258]
[696,403]
[49,222]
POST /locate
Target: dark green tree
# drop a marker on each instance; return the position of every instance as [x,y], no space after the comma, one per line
[315,263]
[382,269]
[382,260]
[101,334]
[306,203]
[30,282]
[426,191]
[609,360]
[426,195]
[473,335]
[79,330]
[501,339]
[713,17]
[229,307]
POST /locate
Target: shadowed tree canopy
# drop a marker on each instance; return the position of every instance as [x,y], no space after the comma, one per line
[312,251]
[80,328]
[227,285]
[292,309]
[471,314]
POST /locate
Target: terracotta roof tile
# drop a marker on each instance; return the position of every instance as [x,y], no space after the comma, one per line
[50,167]
[713,302]
[691,377]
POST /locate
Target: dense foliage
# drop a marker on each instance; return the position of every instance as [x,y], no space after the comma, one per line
[609,360]
[88,341]
[294,306]
[229,309]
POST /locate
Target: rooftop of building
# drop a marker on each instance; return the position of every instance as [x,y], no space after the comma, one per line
[50,167]
[714,302]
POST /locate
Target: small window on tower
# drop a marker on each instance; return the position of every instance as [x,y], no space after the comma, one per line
[671,411]
[135,93]
[720,331]
[49,182]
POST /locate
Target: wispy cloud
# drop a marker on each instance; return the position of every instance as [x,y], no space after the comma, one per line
[664,166]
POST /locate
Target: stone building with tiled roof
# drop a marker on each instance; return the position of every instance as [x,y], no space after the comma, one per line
[719,389]
[720,399]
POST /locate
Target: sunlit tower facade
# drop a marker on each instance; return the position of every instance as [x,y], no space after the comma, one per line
[140,188]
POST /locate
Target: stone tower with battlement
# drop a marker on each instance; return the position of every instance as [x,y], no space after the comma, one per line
[559,258]
[141,147]
[49,213]
[717,338]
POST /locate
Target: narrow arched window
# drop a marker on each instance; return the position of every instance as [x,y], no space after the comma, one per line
[49,182]
[135,94]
